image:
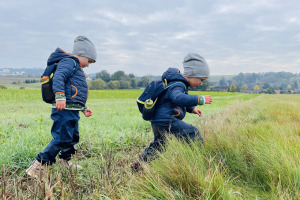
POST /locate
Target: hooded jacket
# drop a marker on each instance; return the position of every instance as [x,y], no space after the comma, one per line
[69,78]
[176,101]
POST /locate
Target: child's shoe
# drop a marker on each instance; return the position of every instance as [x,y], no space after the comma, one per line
[36,169]
[68,163]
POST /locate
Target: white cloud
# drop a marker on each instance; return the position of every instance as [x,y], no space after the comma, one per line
[126,19]
[147,37]
[245,7]
[297,37]
[185,35]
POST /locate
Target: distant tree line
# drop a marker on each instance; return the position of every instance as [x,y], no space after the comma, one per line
[27,81]
[118,80]
[268,82]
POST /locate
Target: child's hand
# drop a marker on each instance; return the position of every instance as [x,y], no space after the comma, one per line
[208,99]
[88,113]
[60,105]
[198,112]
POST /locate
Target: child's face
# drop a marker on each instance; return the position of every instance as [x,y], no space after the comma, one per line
[196,82]
[84,61]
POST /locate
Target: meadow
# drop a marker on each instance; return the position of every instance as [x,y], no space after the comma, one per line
[251,150]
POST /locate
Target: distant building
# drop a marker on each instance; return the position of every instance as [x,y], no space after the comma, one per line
[252,91]
[277,91]
[221,88]
[7,71]
[89,78]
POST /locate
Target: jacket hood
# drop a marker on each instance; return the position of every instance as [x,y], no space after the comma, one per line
[173,74]
[58,55]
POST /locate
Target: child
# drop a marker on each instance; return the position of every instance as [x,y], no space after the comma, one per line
[173,104]
[71,91]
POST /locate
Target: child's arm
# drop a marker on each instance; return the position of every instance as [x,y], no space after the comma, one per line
[179,98]
[63,72]
[197,111]
[60,104]
[88,113]
[208,99]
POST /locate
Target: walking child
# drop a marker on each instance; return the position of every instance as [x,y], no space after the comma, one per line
[172,106]
[71,91]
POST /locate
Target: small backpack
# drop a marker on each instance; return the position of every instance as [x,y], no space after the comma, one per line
[147,100]
[47,81]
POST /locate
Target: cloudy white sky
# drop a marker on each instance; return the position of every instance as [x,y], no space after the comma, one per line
[147,37]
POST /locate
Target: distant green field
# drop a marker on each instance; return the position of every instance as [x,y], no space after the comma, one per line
[17,79]
[18,82]
[250,151]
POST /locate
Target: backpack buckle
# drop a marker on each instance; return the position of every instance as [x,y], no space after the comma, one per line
[165,82]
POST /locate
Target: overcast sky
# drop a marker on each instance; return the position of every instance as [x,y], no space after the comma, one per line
[147,37]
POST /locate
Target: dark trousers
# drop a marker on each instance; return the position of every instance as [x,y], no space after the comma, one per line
[178,128]
[65,135]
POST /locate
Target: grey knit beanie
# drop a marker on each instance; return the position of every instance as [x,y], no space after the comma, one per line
[84,47]
[195,66]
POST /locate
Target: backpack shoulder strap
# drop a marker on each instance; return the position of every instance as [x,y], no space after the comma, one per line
[74,68]
[175,83]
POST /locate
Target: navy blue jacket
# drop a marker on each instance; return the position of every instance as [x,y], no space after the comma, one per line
[176,101]
[68,79]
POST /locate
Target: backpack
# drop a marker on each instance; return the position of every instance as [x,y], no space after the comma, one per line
[147,100]
[47,81]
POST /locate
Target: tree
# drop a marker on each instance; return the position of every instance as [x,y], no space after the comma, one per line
[282,86]
[131,75]
[204,86]
[244,87]
[125,84]
[256,87]
[223,82]
[104,75]
[211,88]
[113,85]
[266,85]
[232,88]
[239,80]
[98,84]
[145,80]
[134,83]
[3,87]
[295,85]
[270,91]
[118,75]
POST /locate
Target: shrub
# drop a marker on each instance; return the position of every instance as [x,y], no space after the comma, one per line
[113,85]
[3,87]
[98,84]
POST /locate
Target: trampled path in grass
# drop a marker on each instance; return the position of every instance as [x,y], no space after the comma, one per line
[237,161]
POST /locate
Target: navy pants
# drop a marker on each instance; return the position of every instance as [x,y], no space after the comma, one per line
[177,128]
[65,135]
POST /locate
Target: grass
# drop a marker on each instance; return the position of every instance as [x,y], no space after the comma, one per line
[253,153]
[251,150]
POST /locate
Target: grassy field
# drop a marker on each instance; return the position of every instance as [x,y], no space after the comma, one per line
[8,81]
[251,150]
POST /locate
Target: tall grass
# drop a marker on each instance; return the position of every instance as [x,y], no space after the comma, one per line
[251,151]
